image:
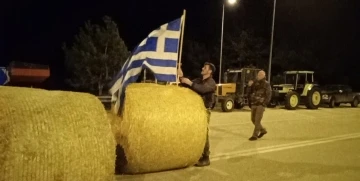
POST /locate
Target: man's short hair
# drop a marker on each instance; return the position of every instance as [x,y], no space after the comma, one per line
[212,67]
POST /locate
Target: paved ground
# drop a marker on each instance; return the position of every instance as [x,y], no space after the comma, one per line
[301,145]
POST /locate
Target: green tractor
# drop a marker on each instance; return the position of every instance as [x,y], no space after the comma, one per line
[299,88]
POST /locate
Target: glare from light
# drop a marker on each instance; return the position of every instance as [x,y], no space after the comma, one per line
[231,2]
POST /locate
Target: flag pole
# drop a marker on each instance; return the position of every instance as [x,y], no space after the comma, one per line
[181,46]
[144,78]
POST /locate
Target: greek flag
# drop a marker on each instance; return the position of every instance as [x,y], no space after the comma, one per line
[158,52]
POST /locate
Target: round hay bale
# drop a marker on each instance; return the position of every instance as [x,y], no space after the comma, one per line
[162,128]
[53,136]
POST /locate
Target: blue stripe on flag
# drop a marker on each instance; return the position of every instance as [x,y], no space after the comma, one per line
[161,63]
[134,64]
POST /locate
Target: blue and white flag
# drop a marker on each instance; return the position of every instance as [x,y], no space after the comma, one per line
[158,52]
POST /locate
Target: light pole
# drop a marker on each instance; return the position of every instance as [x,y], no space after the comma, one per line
[272,40]
[231,2]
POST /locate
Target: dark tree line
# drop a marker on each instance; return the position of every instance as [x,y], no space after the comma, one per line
[305,39]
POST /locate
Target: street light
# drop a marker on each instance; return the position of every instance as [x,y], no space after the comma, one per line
[231,2]
[272,40]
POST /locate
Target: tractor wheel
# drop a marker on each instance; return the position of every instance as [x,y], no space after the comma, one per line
[227,105]
[332,103]
[239,105]
[313,99]
[355,102]
[292,100]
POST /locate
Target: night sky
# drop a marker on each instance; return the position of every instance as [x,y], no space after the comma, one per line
[34,31]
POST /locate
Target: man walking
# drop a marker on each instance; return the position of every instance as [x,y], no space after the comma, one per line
[259,96]
[205,87]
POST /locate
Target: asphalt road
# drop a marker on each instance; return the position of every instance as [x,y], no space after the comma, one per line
[301,145]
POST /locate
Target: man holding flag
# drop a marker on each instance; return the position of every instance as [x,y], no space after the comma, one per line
[205,87]
[159,53]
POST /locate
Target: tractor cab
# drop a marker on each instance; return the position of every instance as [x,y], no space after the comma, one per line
[232,93]
[299,79]
[240,78]
[239,75]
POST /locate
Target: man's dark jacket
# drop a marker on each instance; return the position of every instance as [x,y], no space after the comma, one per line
[206,89]
[259,93]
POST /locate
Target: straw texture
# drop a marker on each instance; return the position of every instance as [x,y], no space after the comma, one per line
[162,128]
[53,136]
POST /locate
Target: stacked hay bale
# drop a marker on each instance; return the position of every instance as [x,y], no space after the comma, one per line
[162,128]
[54,135]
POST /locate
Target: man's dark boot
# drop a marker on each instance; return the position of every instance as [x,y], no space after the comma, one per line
[262,134]
[204,161]
[253,138]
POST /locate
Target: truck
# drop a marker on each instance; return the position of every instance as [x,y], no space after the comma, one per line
[336,94]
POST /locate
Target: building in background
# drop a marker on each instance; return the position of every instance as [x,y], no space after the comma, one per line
[27,74]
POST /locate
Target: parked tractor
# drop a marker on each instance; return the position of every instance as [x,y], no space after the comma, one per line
[299,88]
[232,93]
